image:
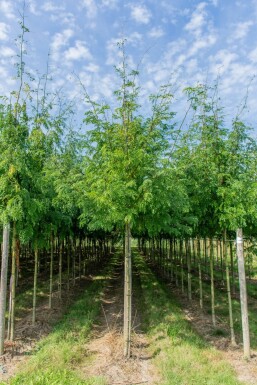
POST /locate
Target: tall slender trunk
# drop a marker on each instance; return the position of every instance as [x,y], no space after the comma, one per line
[182,265]
[189,274]
[212,283]
[230,308]
[232,268]
[243,292]
[68,262]
[73,246]
[13,284]
[200,273]
[60,270]
[80,255]
[127,291]
[3,287]
[51,269]
[35,285]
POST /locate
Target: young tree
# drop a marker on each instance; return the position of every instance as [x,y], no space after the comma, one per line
[123,166]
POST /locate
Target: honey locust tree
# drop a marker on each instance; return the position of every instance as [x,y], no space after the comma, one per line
[123,166]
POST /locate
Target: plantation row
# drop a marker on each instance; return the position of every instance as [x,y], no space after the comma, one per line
[202,269]
[127,173]
[68,260]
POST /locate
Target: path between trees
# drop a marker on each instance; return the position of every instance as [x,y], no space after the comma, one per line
[102,356]
[106,342]
[27,336]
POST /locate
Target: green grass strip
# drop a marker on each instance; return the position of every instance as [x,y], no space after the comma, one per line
[182,356]
[56,356]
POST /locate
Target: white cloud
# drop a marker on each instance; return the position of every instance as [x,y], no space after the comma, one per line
[7,52]
[91,8]
[140,14]
[49,6]
[222,61]
[198,20]
[156,32]
[92,67]
[78,52]
[3,72]
[134,38]
[201,43]
[61,39]
[64,18]
[109,3]
[7,8]
[33,7]
[253,55]
[4,29]
[242,29]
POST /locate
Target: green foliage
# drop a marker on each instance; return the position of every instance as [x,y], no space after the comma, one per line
[126,176]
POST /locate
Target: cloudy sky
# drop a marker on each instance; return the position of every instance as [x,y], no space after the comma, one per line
[186,40]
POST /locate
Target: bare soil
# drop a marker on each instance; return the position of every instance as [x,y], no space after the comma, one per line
[106,343]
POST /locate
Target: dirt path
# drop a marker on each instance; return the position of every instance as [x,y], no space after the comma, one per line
[106,343]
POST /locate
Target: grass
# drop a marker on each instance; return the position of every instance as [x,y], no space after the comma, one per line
[221,302]
[182,356]
[56,357]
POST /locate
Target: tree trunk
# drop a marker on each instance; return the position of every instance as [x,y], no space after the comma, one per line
[200,273]
[189,274]
[232,268]
[182,265]
[35,286]
[13,283]
[3,288]
[127,292]
[243,292]
[230,308]
[60,269]
[212,283]
[51,270]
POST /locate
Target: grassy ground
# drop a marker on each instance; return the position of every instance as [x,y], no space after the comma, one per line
[56,357]
[221,300]
[221,306]
[182,356]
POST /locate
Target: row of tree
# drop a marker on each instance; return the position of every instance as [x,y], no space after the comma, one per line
[130,172]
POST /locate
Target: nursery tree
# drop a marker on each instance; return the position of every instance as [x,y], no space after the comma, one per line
[123,166]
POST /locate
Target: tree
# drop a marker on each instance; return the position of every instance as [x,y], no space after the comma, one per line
[123,169]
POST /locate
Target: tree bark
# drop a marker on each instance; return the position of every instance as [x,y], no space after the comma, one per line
[3,288]
[127,292]
[200,273]
[60,269]
[212,283]
[243,292]
[230,308]
[35,286]
[51,270]
[13,284]
[189,274]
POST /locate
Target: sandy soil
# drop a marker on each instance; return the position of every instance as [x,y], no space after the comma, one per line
[106,343]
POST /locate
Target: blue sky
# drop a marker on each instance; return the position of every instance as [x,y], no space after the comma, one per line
[185,40]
